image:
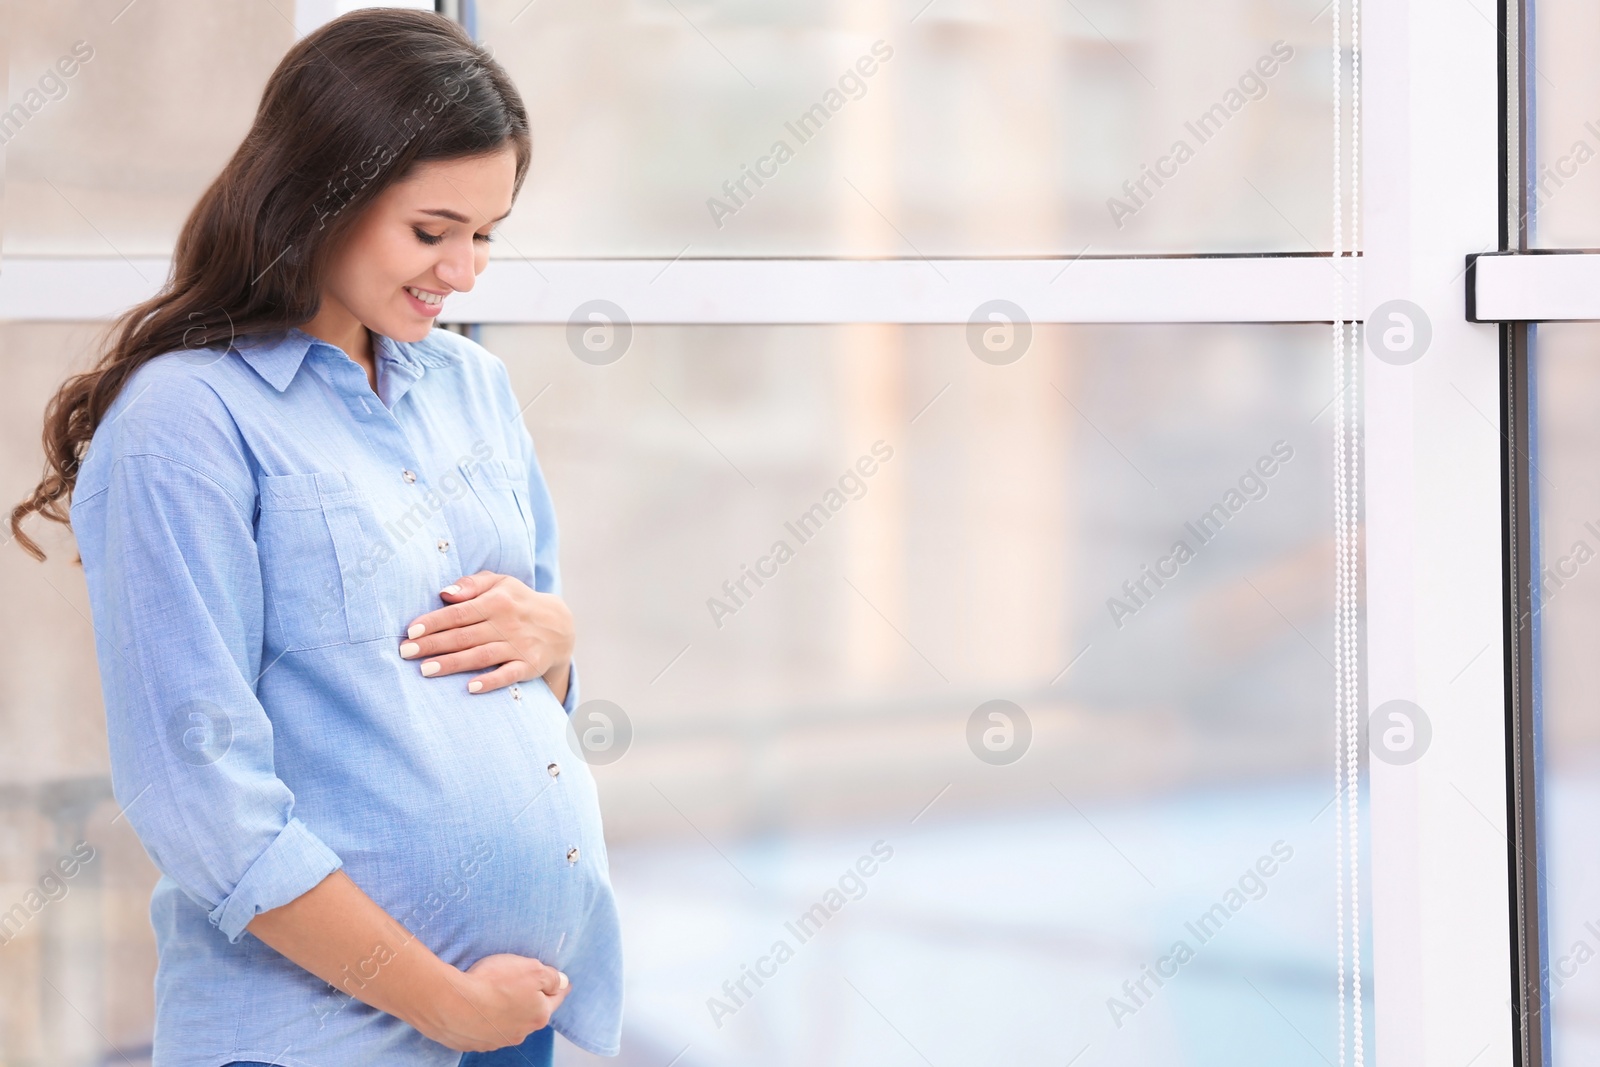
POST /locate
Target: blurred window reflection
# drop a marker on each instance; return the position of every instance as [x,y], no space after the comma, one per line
[1567,607]
[983,129]
[1007,546]
[113,159]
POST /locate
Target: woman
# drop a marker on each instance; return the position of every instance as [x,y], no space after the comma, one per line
[321,559]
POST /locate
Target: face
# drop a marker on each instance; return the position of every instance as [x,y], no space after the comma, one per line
[420,240]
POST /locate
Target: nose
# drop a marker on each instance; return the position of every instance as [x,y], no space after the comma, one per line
[457,268]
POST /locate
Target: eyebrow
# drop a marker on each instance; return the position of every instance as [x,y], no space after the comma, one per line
[453,216]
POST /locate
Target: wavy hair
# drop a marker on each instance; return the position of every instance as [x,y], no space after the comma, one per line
[349,111]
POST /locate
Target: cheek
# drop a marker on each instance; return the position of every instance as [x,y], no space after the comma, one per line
[399,259]
[366,270]
[389,263]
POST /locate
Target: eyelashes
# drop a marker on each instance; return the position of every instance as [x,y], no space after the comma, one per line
[434,238]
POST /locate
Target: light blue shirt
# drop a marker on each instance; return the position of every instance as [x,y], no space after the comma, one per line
[257,531]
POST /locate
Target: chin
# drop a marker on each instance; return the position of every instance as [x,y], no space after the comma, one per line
[409,328]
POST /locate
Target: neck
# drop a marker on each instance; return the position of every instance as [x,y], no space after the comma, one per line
[335,324]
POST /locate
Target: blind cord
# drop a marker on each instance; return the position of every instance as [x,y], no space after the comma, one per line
[1346,466]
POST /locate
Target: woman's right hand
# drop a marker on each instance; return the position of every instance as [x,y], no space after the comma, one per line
[496,1002]
[334,926]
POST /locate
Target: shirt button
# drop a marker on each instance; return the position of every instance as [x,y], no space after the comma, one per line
[554,769]
[408,476]
[444,546]
[516,694]
[572,854]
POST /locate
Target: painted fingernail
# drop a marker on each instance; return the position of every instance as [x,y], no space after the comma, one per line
[416,630]
[563,975]
[409,649]
[430,668]
[452,589]
[474,686]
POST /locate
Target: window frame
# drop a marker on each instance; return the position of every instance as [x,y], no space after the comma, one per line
[1279,288]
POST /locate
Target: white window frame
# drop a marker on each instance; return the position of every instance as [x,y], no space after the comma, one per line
[1250,289]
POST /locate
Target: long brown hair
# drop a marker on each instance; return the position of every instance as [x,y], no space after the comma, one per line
[350,110]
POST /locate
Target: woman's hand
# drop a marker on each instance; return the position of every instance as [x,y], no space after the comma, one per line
[496,1002]
[341,935]
[495,620]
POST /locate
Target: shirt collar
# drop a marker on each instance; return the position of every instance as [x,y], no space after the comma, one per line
[277,355]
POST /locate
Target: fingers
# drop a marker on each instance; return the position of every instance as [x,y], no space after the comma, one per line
[497,624]
[455,640]
[554,999]
[510,997]
[497,654]
[474,635]
[447,618]
[475,647]
[469,587]
[460,609]
[505,674]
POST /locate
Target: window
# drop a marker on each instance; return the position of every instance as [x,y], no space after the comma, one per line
[949,128]
[1153,796]
[1080,347]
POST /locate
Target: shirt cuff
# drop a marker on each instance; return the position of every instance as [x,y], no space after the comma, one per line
[295,862]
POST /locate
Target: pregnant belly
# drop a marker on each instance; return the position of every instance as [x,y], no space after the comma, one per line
[467,818]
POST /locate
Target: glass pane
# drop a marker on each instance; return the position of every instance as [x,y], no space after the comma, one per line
[806,654]
[907,129]
[945,128]
[108,160]
[1567,621]
[1565,193]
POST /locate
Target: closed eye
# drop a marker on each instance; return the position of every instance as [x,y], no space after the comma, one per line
[434,238]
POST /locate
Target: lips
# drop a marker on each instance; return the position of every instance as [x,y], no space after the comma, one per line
[423,302]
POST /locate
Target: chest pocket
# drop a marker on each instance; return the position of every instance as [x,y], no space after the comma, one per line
[501,487]
[331,573]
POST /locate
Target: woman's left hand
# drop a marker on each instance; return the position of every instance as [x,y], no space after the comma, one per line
[495,620]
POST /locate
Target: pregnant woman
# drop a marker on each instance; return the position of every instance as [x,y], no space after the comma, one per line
[321,560]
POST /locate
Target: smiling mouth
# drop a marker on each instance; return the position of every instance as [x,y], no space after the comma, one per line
[431,299]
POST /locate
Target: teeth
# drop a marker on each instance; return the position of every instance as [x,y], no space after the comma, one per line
[425,297]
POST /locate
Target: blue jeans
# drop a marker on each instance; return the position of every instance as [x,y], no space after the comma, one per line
[537,1051]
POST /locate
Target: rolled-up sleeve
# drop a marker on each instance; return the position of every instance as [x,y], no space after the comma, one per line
[174,581]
